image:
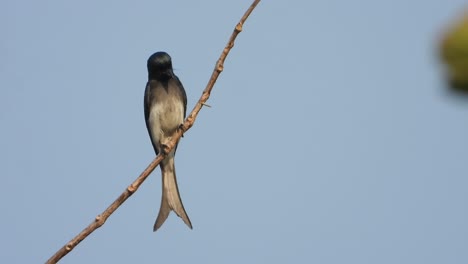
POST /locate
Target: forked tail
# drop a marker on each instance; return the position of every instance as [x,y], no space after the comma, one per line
[170,195]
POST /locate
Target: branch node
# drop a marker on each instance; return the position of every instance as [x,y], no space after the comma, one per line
[207,105]
[239,27]
[69,247]
[132,188]
[100,220]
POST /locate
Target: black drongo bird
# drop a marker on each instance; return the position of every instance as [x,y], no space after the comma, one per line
[165,108]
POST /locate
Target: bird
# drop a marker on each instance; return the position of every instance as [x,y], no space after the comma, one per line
[165,107]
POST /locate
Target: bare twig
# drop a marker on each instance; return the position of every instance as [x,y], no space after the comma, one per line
[101,219]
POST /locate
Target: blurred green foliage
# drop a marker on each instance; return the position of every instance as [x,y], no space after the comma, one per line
[454,52]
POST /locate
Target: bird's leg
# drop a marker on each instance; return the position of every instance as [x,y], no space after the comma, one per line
[182,127]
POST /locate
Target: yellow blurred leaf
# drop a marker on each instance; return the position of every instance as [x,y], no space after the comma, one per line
[454,52]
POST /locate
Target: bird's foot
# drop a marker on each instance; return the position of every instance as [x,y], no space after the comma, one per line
[166,145]
[182,127]
[164,149]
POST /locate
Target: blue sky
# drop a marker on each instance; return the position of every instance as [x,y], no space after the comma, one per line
[331,137]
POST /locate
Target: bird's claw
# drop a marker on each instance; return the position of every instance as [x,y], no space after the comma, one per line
[182,127]
[163,149]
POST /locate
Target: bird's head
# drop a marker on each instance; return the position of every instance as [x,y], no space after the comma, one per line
[160,66]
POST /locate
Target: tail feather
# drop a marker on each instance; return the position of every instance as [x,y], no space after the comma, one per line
[170,195]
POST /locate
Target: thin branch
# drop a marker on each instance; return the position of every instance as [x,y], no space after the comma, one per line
[101,219]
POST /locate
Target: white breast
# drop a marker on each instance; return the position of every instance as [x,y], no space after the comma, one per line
[164,118]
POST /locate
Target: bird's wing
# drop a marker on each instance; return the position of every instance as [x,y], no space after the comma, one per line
[184,95]
[146,106]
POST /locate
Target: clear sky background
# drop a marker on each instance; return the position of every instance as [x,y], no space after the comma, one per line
[331,138]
